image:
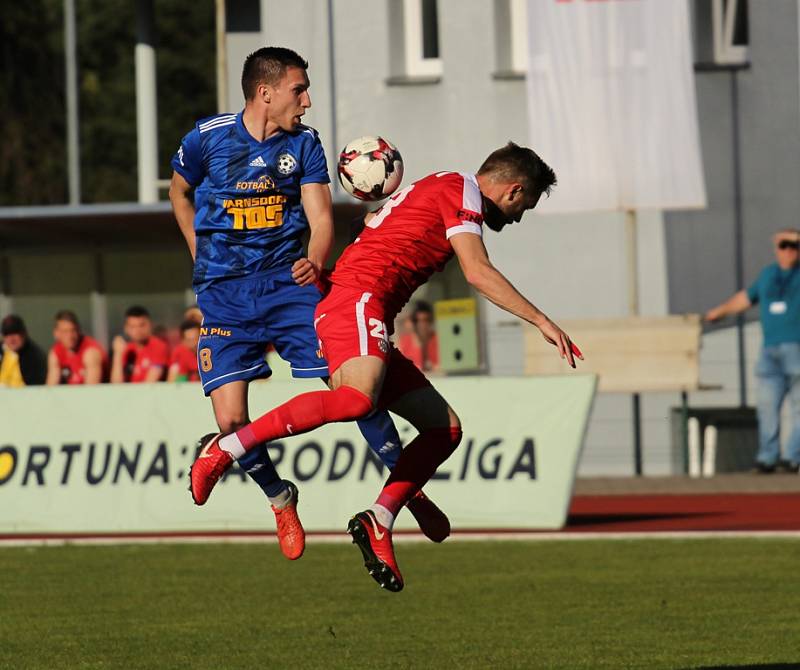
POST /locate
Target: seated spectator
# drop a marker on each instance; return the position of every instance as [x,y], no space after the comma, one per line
[75,358]
[420,345]
[23,363]
[183,363]
[193,313]
[142,357]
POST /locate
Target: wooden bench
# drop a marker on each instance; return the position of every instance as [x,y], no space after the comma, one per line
[632,355]
[629,355]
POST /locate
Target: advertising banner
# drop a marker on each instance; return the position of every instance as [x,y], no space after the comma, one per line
[115,459]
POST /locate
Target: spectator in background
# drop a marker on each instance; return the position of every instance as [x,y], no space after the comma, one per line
[777,292]
[420,345]
[193,313]
[183,362]
[23,361]
[142,357]
[75,358]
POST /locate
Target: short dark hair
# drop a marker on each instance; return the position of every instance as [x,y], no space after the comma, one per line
[268,65]
[188,324]
[68,315]
[13,325]
[515,163]
[136,310]
[421,307]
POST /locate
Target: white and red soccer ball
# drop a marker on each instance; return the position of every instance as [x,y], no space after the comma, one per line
[370,168]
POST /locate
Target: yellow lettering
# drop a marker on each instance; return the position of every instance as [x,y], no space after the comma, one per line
[238,217]
[267,214]
[274,214]
[256,218]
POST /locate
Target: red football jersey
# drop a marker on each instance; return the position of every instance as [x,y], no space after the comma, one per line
[71,362]
[138,360]
[409,239]
[184,360]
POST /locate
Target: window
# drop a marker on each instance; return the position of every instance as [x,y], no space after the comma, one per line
[511,38]
[721,32]
[729,18]
[242,16]
[415,45]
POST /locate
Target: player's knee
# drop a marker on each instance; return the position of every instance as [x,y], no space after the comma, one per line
[348,404]
[449,437]
[454,435]
[455,422]
[229,422]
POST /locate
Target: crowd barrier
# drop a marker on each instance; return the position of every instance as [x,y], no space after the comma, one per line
[115,459]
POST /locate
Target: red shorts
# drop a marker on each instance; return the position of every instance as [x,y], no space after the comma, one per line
[350,324]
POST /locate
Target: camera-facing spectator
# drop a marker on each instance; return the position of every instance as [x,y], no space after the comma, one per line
[183,362]
[420,345]
[777,293]
[75,358]
[23,361]
[141,357]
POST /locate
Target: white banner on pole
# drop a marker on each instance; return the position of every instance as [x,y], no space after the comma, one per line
[611,104]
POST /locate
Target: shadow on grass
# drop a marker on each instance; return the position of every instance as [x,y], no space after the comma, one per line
[600,519]
[757,666]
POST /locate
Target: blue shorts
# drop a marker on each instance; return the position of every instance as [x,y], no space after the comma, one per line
[242,316]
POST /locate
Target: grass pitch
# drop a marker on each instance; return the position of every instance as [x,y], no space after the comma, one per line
[557,604]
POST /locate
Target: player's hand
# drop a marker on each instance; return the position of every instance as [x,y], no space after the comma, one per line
[304,272]
[557,337]
[712,315]
[118,345]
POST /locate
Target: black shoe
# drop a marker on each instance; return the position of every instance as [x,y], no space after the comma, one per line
[789,466]
[763,469]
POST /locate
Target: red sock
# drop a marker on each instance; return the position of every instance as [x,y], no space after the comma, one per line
[416,465]
[304,413]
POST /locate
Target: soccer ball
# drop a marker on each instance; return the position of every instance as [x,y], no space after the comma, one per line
[370,168]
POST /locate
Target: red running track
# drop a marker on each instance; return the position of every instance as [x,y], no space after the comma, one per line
[747,511]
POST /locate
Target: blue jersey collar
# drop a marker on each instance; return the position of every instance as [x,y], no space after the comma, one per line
[240,127]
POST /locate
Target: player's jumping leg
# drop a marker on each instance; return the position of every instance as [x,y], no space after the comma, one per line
[299,415]
[381,435]
[230,408]
[439,434]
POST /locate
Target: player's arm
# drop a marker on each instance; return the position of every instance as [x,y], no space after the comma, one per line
[316,199]
[183,208]
[174,369]
[173,372]
[737,303]
[53,369]
[154,374]
[490,282]
[118,347]
[92,366]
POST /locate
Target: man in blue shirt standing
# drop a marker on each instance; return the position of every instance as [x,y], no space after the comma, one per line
[260,182]
[777,293]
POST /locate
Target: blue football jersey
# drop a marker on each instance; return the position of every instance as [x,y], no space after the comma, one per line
[247,195]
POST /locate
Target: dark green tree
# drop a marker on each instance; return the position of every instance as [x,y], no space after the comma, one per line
[32,152]
[32,100]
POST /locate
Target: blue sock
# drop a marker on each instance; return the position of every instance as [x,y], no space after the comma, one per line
[257,463]
[381,434]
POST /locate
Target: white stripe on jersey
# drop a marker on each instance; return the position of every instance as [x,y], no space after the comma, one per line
[471,199]
[361,323]
[465,227]
[218,124]
[217,119]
